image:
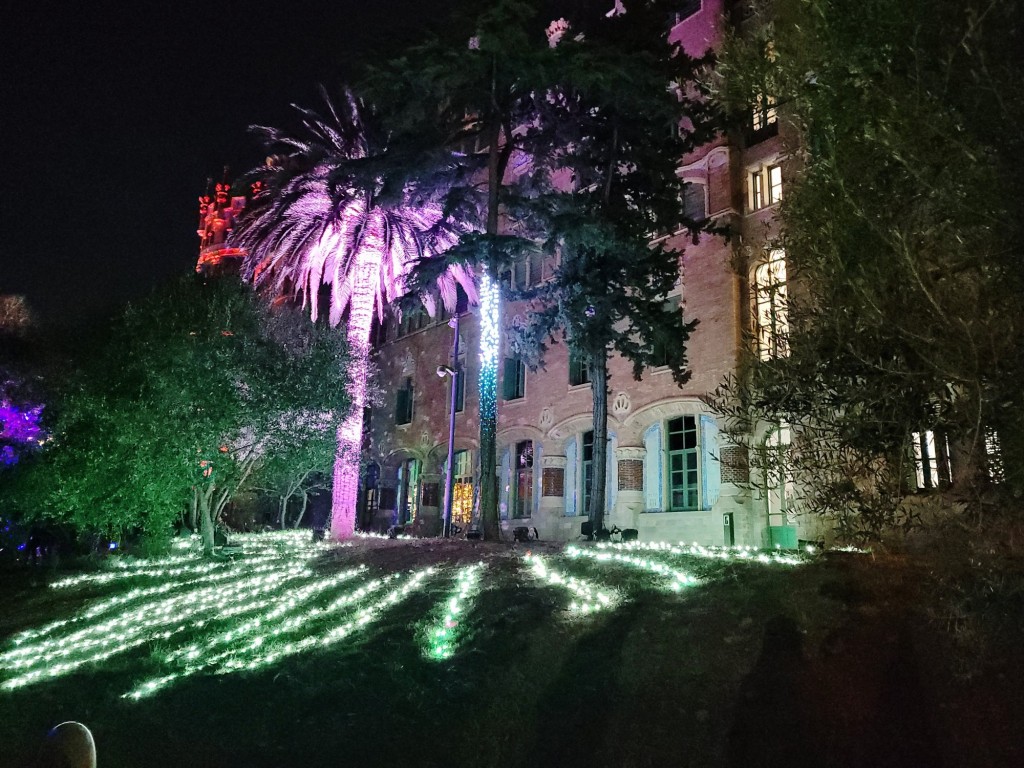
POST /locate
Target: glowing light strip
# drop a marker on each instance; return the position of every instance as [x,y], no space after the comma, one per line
[279,607]
[100,641]
[590,598]
[238,570]
[679,579]
[200,662]
[442,636]
[489,343]
[748,554]
[363,618]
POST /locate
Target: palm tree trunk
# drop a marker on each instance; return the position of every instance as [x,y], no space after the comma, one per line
[345,490]
[598,369]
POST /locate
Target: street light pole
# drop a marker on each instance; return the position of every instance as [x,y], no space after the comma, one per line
[449,480]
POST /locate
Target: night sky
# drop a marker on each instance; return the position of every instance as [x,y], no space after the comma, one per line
[114,115]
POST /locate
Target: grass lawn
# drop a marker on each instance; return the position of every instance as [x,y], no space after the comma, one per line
[453,653]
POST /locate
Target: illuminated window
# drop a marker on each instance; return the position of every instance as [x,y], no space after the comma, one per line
[931,459]
[522,487]
[513,383]
[771,308]
[994,457]
[462,488]
[764,112]
[765,186]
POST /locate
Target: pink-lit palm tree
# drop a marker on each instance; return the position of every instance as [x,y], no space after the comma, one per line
[327,215]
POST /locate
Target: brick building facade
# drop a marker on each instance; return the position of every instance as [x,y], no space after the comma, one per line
[671,473]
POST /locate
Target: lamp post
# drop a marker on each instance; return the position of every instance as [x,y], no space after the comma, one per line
[449,479]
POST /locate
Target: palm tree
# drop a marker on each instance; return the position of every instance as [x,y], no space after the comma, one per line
[327,215]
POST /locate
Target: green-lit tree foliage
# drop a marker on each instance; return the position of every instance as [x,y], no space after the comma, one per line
[181,406]
[902,231]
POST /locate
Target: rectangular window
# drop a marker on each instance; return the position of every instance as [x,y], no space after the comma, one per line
[694,204]
[681,436]
[994,456]
[771,311]
[522,503]
[404,403]
[764,112]
[578,372]
[408,483]
[513,383]
[765,187]
[588,471]
[756,191]
[774,184]
[931,460]
[661,350]
[412,321]
[462,489]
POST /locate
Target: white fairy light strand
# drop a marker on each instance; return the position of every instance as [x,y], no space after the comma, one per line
[589,597]
[745,554]
[442,635]
[678,580]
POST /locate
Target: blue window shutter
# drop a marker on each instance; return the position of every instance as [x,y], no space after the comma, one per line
[570,477]
[538,472]
[611,486]
[506,483]
[711,467]
[653,468]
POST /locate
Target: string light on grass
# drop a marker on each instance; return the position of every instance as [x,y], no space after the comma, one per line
[362,618]
[678,580]
[157,620]
[588,597]
[745,554]
[236,571]
[198,657]
[442,635]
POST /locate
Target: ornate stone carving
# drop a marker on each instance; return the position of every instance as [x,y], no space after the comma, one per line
[547,418]
[621,404]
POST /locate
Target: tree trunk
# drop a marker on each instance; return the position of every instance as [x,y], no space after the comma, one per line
[205,519]
[489,336]
[283,510]
[597,366]
[302,510]
[345,488]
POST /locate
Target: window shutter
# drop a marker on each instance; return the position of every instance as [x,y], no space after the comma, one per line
[508,379]
[711,467]
[611,485]
[570,477]
[538,474]
[506,483]
[653,463]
